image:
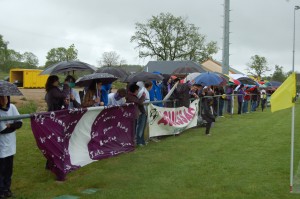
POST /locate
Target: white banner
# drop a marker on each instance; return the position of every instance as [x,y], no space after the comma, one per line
[170,121]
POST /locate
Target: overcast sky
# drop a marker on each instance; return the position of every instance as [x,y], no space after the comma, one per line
[262,27]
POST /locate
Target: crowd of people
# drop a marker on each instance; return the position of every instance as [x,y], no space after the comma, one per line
[213,100]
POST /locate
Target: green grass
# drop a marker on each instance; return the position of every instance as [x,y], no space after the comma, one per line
[247,156]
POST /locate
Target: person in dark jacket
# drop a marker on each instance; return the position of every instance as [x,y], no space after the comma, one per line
[56,100]
[7,144]
[207,110]
[54,97]
[132,97]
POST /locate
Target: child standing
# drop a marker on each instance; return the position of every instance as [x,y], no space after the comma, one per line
[7,145]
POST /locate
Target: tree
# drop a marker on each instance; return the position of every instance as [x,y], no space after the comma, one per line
[111,59]
[167,37]
[278,74]
[56,55]
[258,66]
[3,50]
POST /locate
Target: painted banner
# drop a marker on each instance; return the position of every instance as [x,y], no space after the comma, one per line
[170,121]
[70,139]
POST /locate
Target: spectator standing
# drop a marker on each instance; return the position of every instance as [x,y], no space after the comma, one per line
[118,98]
[132,97]
[7,145]
[73,98]
[92,96]
[240,97]
[229,92]
[54,97]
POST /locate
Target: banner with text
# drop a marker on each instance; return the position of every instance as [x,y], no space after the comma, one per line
[170,121]
[70,139]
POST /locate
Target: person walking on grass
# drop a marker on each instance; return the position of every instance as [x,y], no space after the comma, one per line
[207,110]
[7,145]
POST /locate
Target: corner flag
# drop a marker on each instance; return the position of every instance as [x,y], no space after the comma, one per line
[284,96]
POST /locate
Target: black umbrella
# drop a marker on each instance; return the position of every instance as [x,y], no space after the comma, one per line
[8,89]
[143,76]
[186,70]
[86,80]
[67,66]
[248,80]
[116,71]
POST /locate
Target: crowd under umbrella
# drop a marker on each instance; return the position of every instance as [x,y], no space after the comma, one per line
[116,71]
[208,79]
[86,80]
[9,89]
[143,76]
[67,67]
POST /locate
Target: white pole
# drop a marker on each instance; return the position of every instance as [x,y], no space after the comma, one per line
[293,113]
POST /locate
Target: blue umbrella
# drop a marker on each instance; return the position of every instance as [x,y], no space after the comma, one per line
[208,79]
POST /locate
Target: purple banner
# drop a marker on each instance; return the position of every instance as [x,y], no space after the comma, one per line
[70,139]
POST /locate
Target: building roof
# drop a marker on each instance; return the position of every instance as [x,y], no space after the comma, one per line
[215,66]
[167,67]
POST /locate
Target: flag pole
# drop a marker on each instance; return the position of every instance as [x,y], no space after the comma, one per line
[293,111]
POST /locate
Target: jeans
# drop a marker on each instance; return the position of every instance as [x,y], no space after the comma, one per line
[140,129]
[245,106]
[229,106]
[221,105]
[253,105]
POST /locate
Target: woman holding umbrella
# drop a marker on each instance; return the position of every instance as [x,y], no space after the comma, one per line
[7,137]
[93,95]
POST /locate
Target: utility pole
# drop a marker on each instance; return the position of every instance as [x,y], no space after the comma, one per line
[225,56]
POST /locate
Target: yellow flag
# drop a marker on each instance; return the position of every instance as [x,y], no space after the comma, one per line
[284,96]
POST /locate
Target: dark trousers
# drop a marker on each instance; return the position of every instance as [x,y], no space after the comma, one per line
[208,125]
[240,107]
[6,171]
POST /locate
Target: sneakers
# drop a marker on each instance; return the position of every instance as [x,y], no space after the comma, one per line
[208,134]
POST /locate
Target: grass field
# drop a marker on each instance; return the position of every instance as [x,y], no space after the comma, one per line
[247,156]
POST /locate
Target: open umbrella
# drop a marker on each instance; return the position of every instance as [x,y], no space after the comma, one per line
[191,77]
[208,79]
[143,76]
[186,70]
[86,80]
[9,89]
[67,66]
[116,71]
[248,81]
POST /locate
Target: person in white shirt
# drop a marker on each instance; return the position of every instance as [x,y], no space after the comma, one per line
[141,122]
[7,144]
[118,98]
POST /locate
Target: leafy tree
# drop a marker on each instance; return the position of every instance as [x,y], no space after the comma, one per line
[258,66]
[111,59]
[278,74]
[56,55]
[167,37]
[3,50]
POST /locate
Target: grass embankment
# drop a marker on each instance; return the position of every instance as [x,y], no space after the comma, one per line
[247,156]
